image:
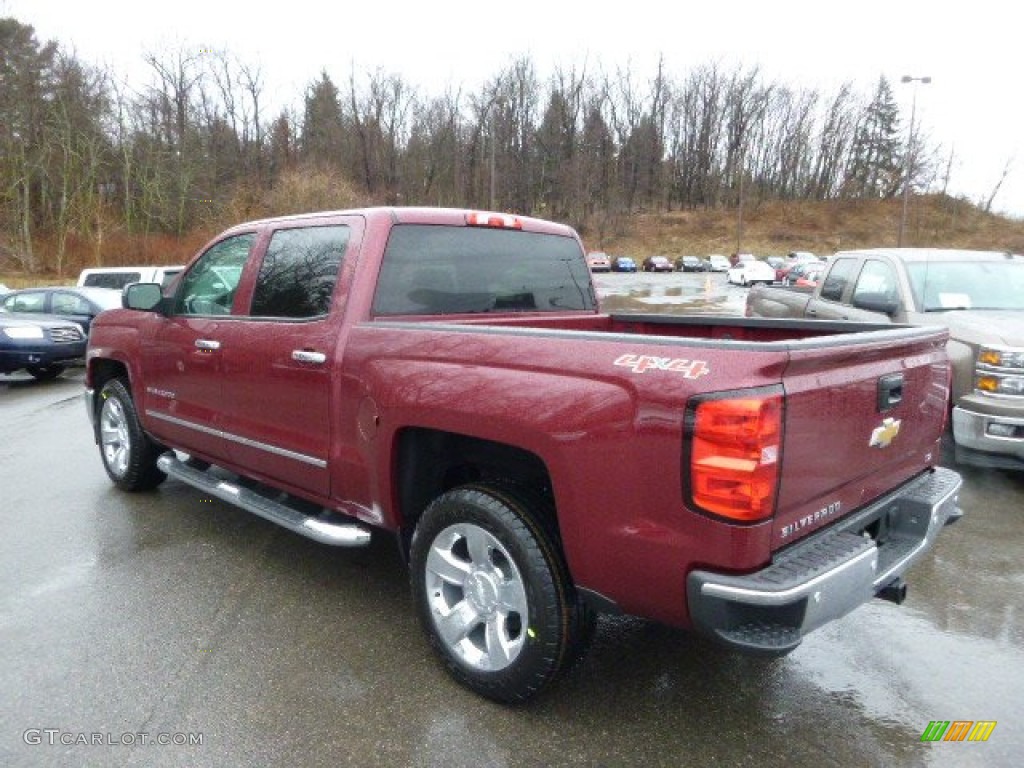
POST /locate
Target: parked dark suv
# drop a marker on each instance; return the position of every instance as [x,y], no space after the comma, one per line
[44,346]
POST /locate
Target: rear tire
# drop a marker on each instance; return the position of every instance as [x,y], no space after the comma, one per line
[493,592]
[129,456]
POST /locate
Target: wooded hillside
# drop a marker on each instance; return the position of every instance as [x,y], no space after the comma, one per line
[94,171]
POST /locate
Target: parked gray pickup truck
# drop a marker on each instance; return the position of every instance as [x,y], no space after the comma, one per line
[977,295]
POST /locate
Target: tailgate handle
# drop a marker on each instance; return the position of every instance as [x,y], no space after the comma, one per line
[308,356]
[890,391]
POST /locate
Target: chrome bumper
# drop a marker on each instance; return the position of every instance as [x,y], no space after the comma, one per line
[829,574]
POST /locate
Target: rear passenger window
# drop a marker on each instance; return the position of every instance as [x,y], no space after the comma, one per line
[69,304]
[26,302]
[299,271]
[837,278]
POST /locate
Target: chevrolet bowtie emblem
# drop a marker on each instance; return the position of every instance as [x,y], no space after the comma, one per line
[885,434]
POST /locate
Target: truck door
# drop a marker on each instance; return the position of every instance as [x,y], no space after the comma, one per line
[827,301]
[181,354]
[278,358]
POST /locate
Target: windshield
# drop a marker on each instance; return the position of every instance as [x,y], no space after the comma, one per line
[939,286]
[436,270]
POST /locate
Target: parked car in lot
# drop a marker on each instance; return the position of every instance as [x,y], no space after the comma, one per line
[797,271]
[690,264]
[42,345]
[751,271]
[623,264]
[810,274]
[796,257]
[80,305]
[3,289]
[719,263]
[657,264]
[792,259]
[598,261]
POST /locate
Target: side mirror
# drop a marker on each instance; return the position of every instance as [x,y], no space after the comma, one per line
[142,296]
[875,302]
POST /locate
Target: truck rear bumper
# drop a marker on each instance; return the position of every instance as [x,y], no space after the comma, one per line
[828,574]
[989,433]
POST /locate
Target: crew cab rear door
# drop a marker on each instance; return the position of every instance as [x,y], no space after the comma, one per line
[279,353]
[864,412]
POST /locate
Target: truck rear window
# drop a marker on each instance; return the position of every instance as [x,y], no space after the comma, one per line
[441,270]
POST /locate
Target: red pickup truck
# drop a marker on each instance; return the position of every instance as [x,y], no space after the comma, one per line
[448,377]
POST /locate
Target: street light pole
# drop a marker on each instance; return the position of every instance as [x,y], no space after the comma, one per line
[493,130]
[910,151]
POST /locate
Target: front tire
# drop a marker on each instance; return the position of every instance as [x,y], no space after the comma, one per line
[493,592]
[129,456]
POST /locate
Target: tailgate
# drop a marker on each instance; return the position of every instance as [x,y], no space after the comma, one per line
[862,415]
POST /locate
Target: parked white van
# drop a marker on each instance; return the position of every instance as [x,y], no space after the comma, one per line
[119,277]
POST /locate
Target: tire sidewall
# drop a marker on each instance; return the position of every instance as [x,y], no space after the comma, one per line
[545,628]
[141,472]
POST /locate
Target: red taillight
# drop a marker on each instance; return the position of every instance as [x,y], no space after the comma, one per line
[499,220]
[734,456]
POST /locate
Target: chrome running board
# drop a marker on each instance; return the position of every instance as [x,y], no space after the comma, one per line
[326,528]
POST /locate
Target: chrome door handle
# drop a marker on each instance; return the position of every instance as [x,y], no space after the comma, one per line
[207,344]
[308,356]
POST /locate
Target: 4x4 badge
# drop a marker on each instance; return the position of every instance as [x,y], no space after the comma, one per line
[691,369]
[882,436]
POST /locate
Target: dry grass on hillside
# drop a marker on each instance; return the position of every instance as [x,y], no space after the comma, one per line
[768,228]
[820,227]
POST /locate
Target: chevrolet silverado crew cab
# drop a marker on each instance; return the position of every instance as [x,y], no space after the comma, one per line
[977,295]
[448,378]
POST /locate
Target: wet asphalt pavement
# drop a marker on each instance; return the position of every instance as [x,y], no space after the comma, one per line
[131,619]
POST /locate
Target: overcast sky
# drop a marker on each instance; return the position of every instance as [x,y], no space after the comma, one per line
[970,50]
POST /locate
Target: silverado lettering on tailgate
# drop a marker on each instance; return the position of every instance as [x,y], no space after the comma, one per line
[691,369]
[822,514]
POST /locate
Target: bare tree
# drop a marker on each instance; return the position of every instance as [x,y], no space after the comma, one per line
[435,168]
[833,144]
[987,206]
[381,120]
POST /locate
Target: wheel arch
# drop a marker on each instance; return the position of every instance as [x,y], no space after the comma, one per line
[100,371]
[429,462]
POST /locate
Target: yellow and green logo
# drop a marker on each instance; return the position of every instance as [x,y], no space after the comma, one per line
[958,730]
